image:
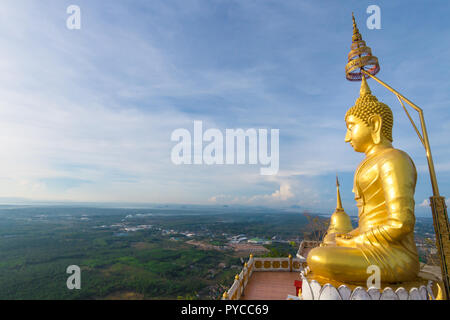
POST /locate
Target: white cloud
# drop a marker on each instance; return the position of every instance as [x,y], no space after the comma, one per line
[425,203]
[290,190]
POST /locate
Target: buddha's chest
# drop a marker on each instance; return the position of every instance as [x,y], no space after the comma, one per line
[369,194]
[367,180]
[367,177]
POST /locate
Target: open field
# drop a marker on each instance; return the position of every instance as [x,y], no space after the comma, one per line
[137,253]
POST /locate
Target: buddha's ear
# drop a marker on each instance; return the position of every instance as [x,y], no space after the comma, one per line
[375,122]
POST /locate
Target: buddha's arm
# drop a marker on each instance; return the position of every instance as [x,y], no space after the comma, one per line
[398,179]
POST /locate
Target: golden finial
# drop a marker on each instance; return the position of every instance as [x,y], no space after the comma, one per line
[251,255]
[356,34]
[364,87]
[360,57]
[236,277]
[245,265]
[339,202]
[290,256]
[225,295]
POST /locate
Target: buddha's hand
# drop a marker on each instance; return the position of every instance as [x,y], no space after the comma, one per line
[344,235]
[344,240]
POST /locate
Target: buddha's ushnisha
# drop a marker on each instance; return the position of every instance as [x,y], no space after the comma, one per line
[384,186]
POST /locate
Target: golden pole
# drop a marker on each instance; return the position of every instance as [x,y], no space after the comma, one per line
[424,137]
[437,203]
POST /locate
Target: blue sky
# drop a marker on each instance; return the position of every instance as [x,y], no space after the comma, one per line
[86,115]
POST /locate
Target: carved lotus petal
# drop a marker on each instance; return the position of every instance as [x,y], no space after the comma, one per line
[315,287]
[414,294]
[360,294]
[307,293]
[388,294]
[329,292]
[423,292]
[345,292]
[402,293]
[374,293]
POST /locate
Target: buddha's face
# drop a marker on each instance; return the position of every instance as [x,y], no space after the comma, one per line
[359,134]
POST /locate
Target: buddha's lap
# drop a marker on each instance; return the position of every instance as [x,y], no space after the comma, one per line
[333,257]
[349,263]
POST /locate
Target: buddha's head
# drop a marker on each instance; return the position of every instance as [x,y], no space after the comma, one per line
[369,122]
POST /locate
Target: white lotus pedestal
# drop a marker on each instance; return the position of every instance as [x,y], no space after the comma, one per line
[423,289]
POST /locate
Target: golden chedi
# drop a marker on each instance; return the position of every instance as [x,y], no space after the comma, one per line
[339,222]
[384,185]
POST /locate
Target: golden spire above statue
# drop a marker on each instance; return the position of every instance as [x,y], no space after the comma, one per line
[364,88]
[360,56]
[356,35]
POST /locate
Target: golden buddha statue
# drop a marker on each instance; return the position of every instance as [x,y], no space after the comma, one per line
[384,186]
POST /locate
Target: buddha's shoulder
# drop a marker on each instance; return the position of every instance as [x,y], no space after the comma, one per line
[395,157]
[393,153]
